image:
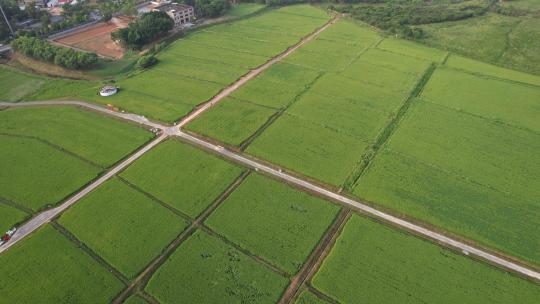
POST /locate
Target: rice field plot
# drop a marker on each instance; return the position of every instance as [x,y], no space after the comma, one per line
[16,85]
[63,89]
[378,264]
[131,231]
[273,221]
[319,152]
[35,174]
[319,61]
[243,9]
[366,94]
[235,119]
[270,94]
[401,63]
[9,216]
[348,32]
[48,268]
[134,299]
[50,152]
[201,69]
[347,116]
[95,137]
[216,273]
[304,11]
[507,102]
[182,176]
[231,121]
[307,297]
[409,48]
[333,48]
[462,173]
[247,46]
[383,77]
[478,67]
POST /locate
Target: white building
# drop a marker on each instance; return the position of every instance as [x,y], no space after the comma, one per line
[182,14]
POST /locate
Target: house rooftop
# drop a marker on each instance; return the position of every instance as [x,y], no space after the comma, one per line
[172,7]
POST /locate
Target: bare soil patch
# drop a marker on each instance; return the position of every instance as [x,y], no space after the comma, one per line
[97,38]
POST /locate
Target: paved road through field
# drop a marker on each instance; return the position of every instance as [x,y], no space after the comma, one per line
[46,216]
[166,131]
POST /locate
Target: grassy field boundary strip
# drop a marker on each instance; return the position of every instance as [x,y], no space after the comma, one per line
[386,132]
[16,205]
[278,114]
[321,295]
[46,216]
[316,257]
[90,252]
[438,236]
[57,147]
[255,257]
[492,77]
[139,283]
[148,297]
[252,74]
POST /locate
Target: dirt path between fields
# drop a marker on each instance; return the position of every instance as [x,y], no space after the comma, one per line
[252,74]
[139,283]
[315,259]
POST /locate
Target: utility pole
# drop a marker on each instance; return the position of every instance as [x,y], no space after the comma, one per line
[7,21]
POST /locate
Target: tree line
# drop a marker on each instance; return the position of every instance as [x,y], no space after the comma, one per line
[42,50]
[145,29]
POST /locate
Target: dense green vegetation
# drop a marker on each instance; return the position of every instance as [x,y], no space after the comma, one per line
[15,86]
[35,174]
[356,94]
[9,216]
[215,273]
[468,174]
[48,268]
[147,28]
[195,68]
[182,176]
[307,297]
[502,40]
[395,16]
[273,221]
[379,264]
[132,228]
[62,56]
[477,67]
[94,137]
[499,100]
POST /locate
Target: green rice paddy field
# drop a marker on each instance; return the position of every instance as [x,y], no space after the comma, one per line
[50,152]
[445,140]
[377,264]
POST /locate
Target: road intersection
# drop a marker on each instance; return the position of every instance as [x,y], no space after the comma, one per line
[165,132]
[274,171]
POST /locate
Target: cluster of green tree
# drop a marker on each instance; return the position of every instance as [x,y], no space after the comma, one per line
[42,50]
[147,28]
[14,14]
[509,11]
[209,8]
[397,17]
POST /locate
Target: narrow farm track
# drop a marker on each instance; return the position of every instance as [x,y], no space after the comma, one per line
[253,73]
[316,257]
[257,165]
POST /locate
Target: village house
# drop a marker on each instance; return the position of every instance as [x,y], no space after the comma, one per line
[182,14]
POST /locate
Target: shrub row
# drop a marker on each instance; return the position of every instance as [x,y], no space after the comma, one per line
[42,50]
